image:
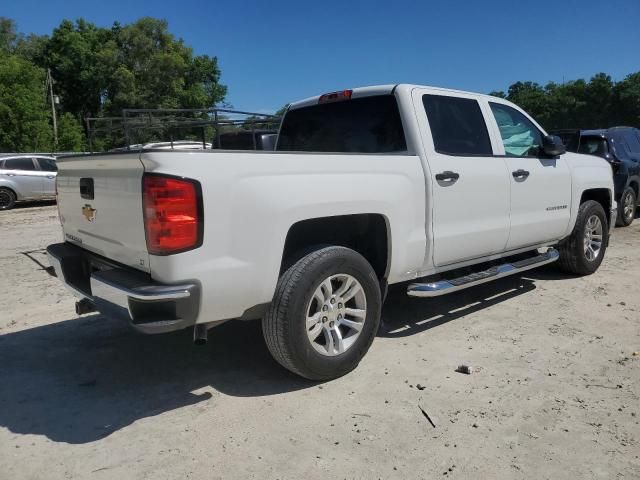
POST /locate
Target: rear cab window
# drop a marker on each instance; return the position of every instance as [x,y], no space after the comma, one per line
[369,125]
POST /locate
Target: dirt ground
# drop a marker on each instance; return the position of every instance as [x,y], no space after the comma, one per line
[555,393]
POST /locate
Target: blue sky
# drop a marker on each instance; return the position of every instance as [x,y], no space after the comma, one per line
[274,52]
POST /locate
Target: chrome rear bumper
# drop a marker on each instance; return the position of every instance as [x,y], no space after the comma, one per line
[124,293]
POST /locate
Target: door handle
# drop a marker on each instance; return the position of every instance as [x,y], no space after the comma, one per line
[449,177]
[10,174]
[520,174]
[50,176]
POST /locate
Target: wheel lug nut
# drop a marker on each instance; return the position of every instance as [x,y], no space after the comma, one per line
[339,316]
[333,300]
[339,305]
[324,319]
[325,308]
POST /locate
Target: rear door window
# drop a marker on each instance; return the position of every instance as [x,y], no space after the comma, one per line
[25,163]
[360,125]
[457,126]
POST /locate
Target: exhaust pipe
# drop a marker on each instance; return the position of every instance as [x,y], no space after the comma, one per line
[85,306]
[200,334]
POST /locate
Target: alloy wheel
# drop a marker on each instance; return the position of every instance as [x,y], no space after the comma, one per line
[336,314]
[593,238]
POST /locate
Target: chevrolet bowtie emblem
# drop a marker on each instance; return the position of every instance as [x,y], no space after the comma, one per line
[89,212]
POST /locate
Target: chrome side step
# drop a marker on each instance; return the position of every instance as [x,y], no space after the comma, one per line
[442,287]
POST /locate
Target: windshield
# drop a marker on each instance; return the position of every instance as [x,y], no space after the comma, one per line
[593,146]
[362,125]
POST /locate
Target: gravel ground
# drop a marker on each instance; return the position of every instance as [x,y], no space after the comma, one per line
[555,391]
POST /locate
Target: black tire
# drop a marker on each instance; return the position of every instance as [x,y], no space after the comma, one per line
[284,325]
[626,218]
[573,258]
[7,199]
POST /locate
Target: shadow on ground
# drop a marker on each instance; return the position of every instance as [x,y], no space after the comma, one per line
[81,380]
[403,316]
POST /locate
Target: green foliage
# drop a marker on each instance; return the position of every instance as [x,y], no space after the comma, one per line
[70,134]
[626,100]
[281,111]
[598,103]
[75,55]
[99,71]
[8,35]
[23,112]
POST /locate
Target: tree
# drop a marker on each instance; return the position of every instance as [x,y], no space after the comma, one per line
[626,100]
[8,35]
[23,111]
[80,56]
[70,134]
[33,48]
[598,103]
[280,112]
[156,70]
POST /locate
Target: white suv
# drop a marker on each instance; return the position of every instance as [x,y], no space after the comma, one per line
[26,178]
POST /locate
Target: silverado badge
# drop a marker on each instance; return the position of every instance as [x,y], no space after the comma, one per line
[89,213]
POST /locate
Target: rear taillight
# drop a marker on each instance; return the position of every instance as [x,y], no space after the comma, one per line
[172,214]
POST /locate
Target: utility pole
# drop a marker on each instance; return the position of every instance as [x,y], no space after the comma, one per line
[53,109]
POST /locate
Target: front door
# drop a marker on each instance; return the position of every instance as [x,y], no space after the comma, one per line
[26,177]
[470,186]
[540,186]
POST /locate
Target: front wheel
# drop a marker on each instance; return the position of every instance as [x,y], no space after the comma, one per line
[582,252]
[324,315]
[7,199]
[627,208]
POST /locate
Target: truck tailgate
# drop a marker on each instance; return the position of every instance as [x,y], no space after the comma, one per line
[100,205]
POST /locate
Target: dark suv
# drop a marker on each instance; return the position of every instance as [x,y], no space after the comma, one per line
[620,146]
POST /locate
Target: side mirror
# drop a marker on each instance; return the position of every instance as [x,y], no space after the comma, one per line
[553,146]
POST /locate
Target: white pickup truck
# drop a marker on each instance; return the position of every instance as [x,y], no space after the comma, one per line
[367,187]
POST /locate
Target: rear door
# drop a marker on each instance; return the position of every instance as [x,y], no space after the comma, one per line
[540,186]
[48,174]
[470,187]
[25,175]
[100,204]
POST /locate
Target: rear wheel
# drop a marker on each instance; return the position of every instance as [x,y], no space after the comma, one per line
[7,199]
[324,315]
[583,251]
[627,208]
